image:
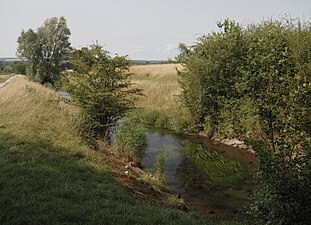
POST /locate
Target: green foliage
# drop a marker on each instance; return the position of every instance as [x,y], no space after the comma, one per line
[174,201]
[18,67]
[281,88]
[217,170]
[46,50]
[285,189]
[160,164]
[152,118]
[213,67]
[159,119]
[130,136]
[255,83]
[239,118]
[100,86]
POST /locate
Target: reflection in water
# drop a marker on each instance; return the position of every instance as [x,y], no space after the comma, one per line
[211,184]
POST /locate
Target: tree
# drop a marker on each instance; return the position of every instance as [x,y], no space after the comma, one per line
[46,50]
[18,67]
[213,67]
[269,65]
[100,86]
[279,83]
[1,67]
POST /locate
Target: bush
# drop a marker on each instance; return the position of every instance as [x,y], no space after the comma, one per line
[101,87]
[130,139]
[255,82]
[284,193]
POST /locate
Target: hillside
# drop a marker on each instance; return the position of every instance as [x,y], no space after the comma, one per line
[48,176]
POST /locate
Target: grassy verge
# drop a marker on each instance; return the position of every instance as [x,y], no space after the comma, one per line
[160,106]
[48,176]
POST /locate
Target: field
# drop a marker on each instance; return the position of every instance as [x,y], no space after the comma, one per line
[160,105]
[48,176]
[159,84]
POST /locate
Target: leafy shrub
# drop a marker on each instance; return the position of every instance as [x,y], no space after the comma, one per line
[100,86]
[239,118]
[182,125]
[284,193]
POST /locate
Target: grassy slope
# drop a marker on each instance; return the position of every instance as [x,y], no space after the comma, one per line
[47,176]
[161,91]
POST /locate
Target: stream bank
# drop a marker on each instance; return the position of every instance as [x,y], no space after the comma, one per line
[214,179]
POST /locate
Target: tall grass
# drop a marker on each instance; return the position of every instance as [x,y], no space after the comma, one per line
[130,139]
[161,159]
[48,176]
[161,103]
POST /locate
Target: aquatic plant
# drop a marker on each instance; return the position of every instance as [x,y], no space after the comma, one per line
[218,170]
[130,139]
[160,164]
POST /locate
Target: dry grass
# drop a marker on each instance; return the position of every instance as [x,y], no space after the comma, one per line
[160,71]
[25,103]
[161,93]
[159,84]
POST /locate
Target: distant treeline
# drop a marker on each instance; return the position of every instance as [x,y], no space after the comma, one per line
[18,66]
[147,62]
[13,65]
[9,60]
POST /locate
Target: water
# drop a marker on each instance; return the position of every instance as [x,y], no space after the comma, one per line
[65,95]
[213,179]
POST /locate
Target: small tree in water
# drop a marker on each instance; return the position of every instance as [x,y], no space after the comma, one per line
[100,87]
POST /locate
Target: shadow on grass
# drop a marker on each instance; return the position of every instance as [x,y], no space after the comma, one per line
[44,184]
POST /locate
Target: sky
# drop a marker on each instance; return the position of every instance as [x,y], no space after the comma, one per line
[141,29]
